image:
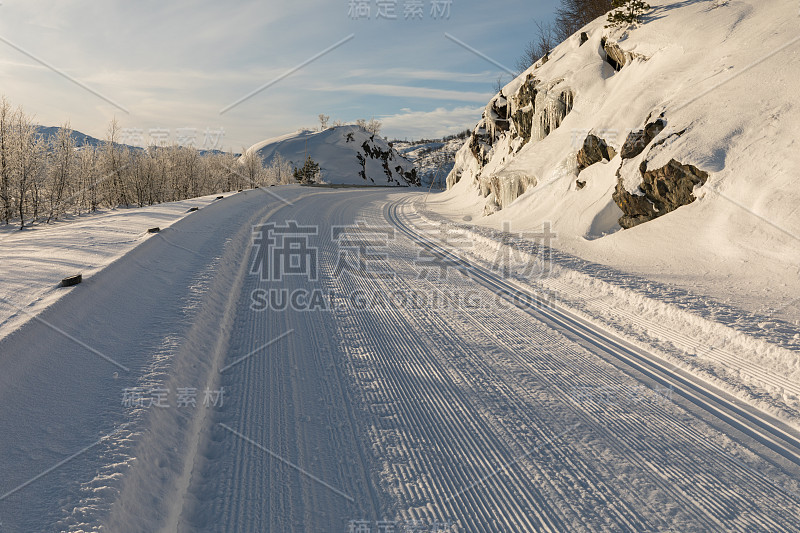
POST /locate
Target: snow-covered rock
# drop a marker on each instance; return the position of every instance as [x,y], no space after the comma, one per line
[346,155]
[433,159]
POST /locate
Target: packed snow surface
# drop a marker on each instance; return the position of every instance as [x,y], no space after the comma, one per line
[161,395]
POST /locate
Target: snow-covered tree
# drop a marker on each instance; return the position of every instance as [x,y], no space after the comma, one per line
[27,166]
[112,158]
[44,177]
[627,12]
[60,169]
[252,167]
[6,205]
[280,170]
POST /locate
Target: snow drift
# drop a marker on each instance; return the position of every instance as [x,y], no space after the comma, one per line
[346,155]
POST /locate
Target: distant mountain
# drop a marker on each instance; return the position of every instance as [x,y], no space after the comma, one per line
[346,155]
[81,139]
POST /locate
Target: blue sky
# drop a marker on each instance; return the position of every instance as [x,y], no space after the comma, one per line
[177,65]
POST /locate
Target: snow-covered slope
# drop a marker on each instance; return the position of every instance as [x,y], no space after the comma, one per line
[346,155]
[696,109]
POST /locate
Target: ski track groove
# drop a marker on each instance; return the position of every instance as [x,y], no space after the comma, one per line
[400,321]
[270,387]
[727,360]
[714,510]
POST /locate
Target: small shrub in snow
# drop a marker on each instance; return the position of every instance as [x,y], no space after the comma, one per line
[626,12]
[308,173]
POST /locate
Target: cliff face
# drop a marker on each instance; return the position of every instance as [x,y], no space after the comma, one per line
[508,124]
[636,120]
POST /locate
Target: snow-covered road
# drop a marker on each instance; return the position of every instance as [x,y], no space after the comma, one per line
[332,373]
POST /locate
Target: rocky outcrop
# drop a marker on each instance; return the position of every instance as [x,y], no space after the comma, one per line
[480,144]
[638,140]
[537,109]
[662,190]
[373,151]
[616,56]
[524,107]
[528,115]
[594,150]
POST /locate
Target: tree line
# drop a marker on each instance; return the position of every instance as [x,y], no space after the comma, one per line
[571,16]
[44,178]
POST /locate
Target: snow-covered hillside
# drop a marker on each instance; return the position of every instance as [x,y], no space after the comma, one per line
[346,155]
[682,129]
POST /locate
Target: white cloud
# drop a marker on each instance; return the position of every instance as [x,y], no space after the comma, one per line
[430,124]
[176,64]
[405,91]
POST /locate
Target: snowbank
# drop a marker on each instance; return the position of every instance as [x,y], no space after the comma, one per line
[36,259]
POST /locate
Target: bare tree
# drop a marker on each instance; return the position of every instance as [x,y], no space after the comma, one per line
[27,166]
[374,126]
[113,155]
[87,171]
[575,14]
[571,16]
[280,170]
[499,84]
[5,160]
[323,121]
[252,167]
[43,178]
[540,47]
[62,156]
[227,164]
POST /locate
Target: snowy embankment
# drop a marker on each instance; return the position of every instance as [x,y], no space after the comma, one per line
[682,129]
[36,259]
